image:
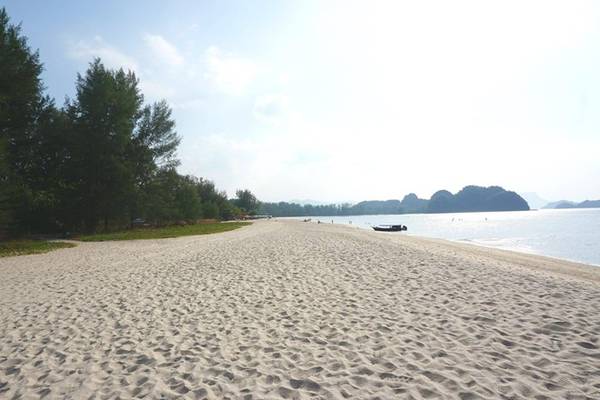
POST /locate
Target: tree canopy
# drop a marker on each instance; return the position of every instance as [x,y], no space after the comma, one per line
[246,201]
[106,159]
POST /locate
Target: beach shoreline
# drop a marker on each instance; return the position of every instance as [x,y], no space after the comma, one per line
[539,262]
[542,252]
[284,309]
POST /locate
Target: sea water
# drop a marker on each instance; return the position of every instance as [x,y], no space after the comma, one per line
[572,234]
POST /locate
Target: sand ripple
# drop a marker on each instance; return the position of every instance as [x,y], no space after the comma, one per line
[287,310]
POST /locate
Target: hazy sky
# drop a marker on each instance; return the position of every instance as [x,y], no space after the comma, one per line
[348,100]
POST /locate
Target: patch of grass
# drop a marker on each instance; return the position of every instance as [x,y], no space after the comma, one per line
[165,232]
[21,247]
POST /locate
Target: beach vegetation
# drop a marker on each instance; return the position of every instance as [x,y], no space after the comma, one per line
[163,232]
[103,161]
[246,201]
[22,247]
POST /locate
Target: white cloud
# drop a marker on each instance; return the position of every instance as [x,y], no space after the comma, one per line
[111,56]
[185,82]
[193,104]
[156,88]
[271,108]
[164,50]
[284,78]
[227,72]
[392,97]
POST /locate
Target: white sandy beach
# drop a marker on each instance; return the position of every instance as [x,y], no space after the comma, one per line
[292,310]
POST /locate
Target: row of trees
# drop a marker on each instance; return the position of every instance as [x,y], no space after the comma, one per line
[102,160]
[285,209]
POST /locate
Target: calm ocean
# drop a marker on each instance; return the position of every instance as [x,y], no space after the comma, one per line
[568,234]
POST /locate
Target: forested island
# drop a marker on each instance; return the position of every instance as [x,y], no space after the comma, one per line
[104,160]
[469,199]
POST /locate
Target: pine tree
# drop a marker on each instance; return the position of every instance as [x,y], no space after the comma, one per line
[21,105]
[104,114]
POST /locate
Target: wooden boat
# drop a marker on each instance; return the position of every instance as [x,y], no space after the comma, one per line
[390,228]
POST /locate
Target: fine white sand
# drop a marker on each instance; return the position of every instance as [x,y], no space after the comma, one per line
[285,309]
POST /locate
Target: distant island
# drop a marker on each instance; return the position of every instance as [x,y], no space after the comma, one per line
[537,202]
[561,204]
[534,200]
[469,199]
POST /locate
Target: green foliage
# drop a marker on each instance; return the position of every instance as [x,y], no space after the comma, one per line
[210,210]
[165,232]
[40,198]
[105,113]
[187,200]
[170,197]
[155,141]
[284,209]
[22,247]
[21,105]
[104,159]
[20,93]
[246,201]
[377,207]
[5,192]
[229,211]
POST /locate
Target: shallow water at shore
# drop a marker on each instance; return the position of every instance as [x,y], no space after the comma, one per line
[567,234]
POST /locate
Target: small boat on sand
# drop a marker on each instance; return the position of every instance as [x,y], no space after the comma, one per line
[390,228]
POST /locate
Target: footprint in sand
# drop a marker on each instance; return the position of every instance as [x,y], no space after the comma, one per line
[386,376]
